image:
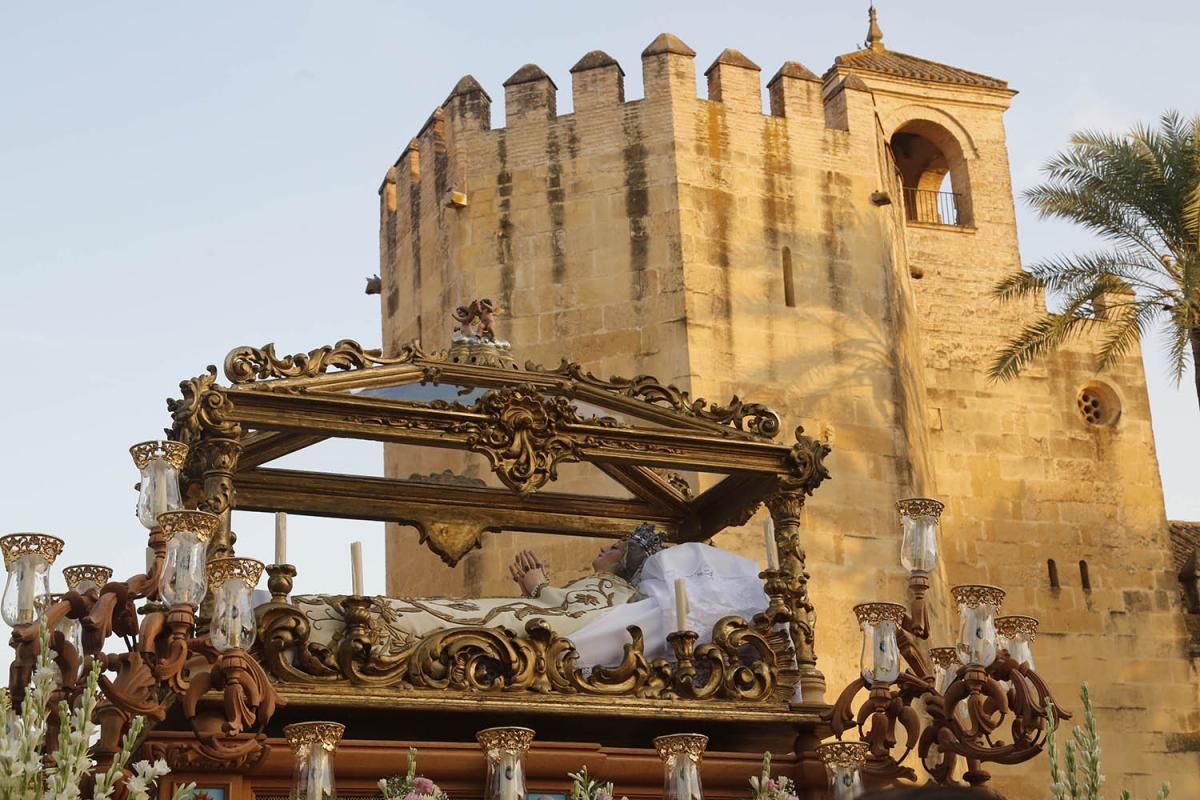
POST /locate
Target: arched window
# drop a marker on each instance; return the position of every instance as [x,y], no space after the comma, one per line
[1052,568]
[1085,580]
[789,279]
[933,172]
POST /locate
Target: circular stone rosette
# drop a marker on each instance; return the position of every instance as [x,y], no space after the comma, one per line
[78,573]
[325,734]
[200,523]
[852,755]
[920,507]
[15,545]
[174,453]
[973,595]
[681,744]
[875,613]
[1016,624]
[511,741]
[248,570]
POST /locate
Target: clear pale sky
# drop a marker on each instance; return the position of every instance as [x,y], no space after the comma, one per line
[179,179]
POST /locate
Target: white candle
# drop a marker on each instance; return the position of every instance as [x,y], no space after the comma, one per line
[681,605]
[158,476]
[27,580]
[772,548]
[356,566]
[280,537]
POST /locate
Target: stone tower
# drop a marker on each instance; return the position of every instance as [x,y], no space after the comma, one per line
[834,259]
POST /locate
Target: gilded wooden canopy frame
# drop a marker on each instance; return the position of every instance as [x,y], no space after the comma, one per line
[526,422]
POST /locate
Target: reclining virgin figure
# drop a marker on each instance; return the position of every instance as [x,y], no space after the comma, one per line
[632,583]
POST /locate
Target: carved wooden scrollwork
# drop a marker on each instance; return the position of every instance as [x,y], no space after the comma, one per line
[806,462]
[249,364]
[189,758]
[743,662]
[738,415]
[203,409]
[522,439]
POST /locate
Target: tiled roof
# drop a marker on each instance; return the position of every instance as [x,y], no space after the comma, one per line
[1185,538]
[889,62]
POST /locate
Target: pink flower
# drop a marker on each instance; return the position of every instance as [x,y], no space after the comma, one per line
[423,785]
[772,786]
[792,797]
[604,796]
[411,796]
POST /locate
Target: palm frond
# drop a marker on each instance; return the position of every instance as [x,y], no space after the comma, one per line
[1036,338]
[1127,325]
[1178,343]
[1139,190]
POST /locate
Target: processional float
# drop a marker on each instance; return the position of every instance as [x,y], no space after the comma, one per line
[218,678]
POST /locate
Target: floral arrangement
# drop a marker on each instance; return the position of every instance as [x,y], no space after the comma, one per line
[1082,779]
[25,771]
[586,787]
[411,786]
[764,787]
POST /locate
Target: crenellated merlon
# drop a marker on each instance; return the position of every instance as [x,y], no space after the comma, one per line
[668,76]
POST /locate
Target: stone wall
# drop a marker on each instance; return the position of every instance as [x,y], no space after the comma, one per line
[732,251]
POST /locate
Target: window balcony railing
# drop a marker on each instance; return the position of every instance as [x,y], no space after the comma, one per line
[934,208]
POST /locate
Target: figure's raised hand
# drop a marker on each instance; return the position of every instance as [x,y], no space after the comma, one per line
[529,572]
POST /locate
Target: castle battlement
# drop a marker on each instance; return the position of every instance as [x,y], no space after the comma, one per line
[734,82]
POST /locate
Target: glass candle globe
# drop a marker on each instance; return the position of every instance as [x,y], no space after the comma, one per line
[880,661]
[843,764]
[232,581]
[505,749]
[1015,634]
[681,754]
[977,605]
[919,521]
[945,670]
[313,745]
[187,534]
[27,558]
[159,464]
[72,631]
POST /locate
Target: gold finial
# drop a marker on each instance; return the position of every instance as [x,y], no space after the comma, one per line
[874,33]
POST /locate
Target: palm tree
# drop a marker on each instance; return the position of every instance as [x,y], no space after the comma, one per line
[1141,193]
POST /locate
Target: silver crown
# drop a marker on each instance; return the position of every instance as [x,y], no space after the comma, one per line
[647,538]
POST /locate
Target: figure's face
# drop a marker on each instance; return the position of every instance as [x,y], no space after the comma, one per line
[609,557]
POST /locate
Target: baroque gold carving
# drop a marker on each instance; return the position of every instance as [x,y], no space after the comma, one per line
[522,439]
[199,523]
[1017,624]
[973,595]
[920,507]
[202,410]
[754,418]
[687,745]
[249,364]
[247,570]
[174,453]
[806,462]
[15,545]
[512,741]
[843,754]
[944,657]
[742,662]
[327,735]
[78,573]
[875,613]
